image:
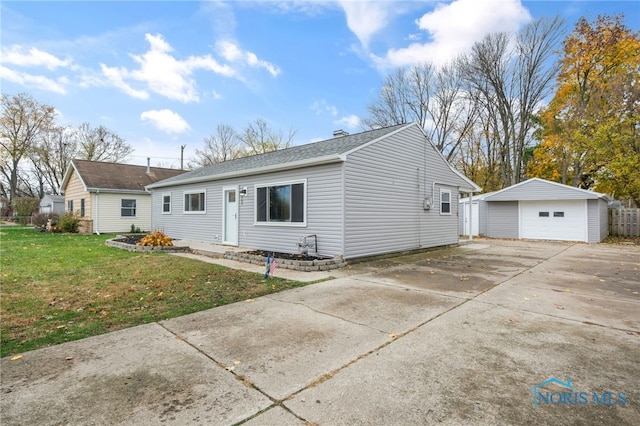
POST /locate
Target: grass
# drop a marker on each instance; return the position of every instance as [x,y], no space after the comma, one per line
[56,288]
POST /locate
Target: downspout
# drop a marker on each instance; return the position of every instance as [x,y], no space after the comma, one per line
[97,213]
[471,215]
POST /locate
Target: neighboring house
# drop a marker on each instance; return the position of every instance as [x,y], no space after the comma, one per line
[381,191]
[110,197]
[537,209]
[52,204]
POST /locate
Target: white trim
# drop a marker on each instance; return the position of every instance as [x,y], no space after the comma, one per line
[195,191]
[166,194]
[446,191]
[589,195]
[302,224]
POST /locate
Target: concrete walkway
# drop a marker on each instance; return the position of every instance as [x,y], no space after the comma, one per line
[459,336]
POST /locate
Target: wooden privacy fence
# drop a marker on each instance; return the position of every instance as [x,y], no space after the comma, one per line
[624,222]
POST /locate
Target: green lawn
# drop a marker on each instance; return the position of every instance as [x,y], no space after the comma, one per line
[55,288]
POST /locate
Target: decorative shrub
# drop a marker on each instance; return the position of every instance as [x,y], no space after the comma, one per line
[67,222]
[40,220]
[156,239]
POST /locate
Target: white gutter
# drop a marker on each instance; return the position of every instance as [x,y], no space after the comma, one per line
[327,159]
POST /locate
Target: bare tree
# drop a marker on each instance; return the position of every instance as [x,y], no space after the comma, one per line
[224,145]
[101,144]
[259,138]
[513,82]
[22,122]
[52,156]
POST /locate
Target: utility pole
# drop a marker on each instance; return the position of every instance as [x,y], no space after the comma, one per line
[182,147]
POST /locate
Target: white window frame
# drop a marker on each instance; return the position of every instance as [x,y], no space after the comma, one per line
[195,191]
[302,224]
[135,208]
[166,194]
[445,191]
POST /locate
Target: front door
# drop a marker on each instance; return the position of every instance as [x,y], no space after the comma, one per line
[230,216]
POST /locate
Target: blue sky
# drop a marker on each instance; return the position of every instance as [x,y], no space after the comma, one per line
[163,74]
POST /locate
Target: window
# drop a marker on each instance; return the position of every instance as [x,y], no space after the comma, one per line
[194,202]
[282,203]
[128,208]
[558,214]
[445,201]
[82,207]
[166,203]
[70,206]
[543,214]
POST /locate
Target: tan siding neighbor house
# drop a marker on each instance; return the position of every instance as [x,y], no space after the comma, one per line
[111,197]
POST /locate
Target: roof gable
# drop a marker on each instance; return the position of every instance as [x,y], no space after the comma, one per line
[98,175]
[541,189]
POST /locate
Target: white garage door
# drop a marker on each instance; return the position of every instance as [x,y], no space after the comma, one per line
[554,220]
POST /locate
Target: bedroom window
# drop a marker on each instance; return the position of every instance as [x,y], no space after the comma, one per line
[127,208]
[445,201]
[70,206]
[281,203]
[166,203]
[194,202]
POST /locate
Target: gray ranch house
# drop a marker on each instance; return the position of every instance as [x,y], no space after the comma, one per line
[537,209]
[380,191]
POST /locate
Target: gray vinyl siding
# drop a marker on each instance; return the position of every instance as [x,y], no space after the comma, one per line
[384,191]
[502,219]
[324,212]
[597,220]
[482,217]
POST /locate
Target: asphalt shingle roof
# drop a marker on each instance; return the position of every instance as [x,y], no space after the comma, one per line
[115,176]
[334,146]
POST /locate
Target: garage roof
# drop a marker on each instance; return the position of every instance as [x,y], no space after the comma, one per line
[541,189]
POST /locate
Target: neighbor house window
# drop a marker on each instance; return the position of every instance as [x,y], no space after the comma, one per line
[128,208]
[194,202]
[166,204]
[82,207]
[445,201]
[281,203]
[70,206]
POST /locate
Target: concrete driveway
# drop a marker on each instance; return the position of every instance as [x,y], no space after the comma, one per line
[467,335]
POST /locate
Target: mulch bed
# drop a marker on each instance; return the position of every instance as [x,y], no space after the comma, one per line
[131,239]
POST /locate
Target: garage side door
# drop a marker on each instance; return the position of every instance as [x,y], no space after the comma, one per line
[554,220]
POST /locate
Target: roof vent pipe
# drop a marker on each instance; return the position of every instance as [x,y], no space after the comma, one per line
[340,133]
[148,165]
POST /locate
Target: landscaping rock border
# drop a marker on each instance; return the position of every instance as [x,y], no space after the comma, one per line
[296,265]
[114,242]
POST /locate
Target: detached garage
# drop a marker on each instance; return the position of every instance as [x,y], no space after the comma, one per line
[542,210]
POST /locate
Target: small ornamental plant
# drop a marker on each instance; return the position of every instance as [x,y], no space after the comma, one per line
[155,239]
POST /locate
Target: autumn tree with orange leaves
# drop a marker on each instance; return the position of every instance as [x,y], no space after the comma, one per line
[590,131]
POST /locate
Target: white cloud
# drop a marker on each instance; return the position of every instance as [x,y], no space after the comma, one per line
[232,53]
[166,120]
[320,107]
[454,28]
[351,121]
[34,57]
[365,18]
[162,73]
[35,81]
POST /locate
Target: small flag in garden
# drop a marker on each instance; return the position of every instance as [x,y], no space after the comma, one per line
[273,265]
